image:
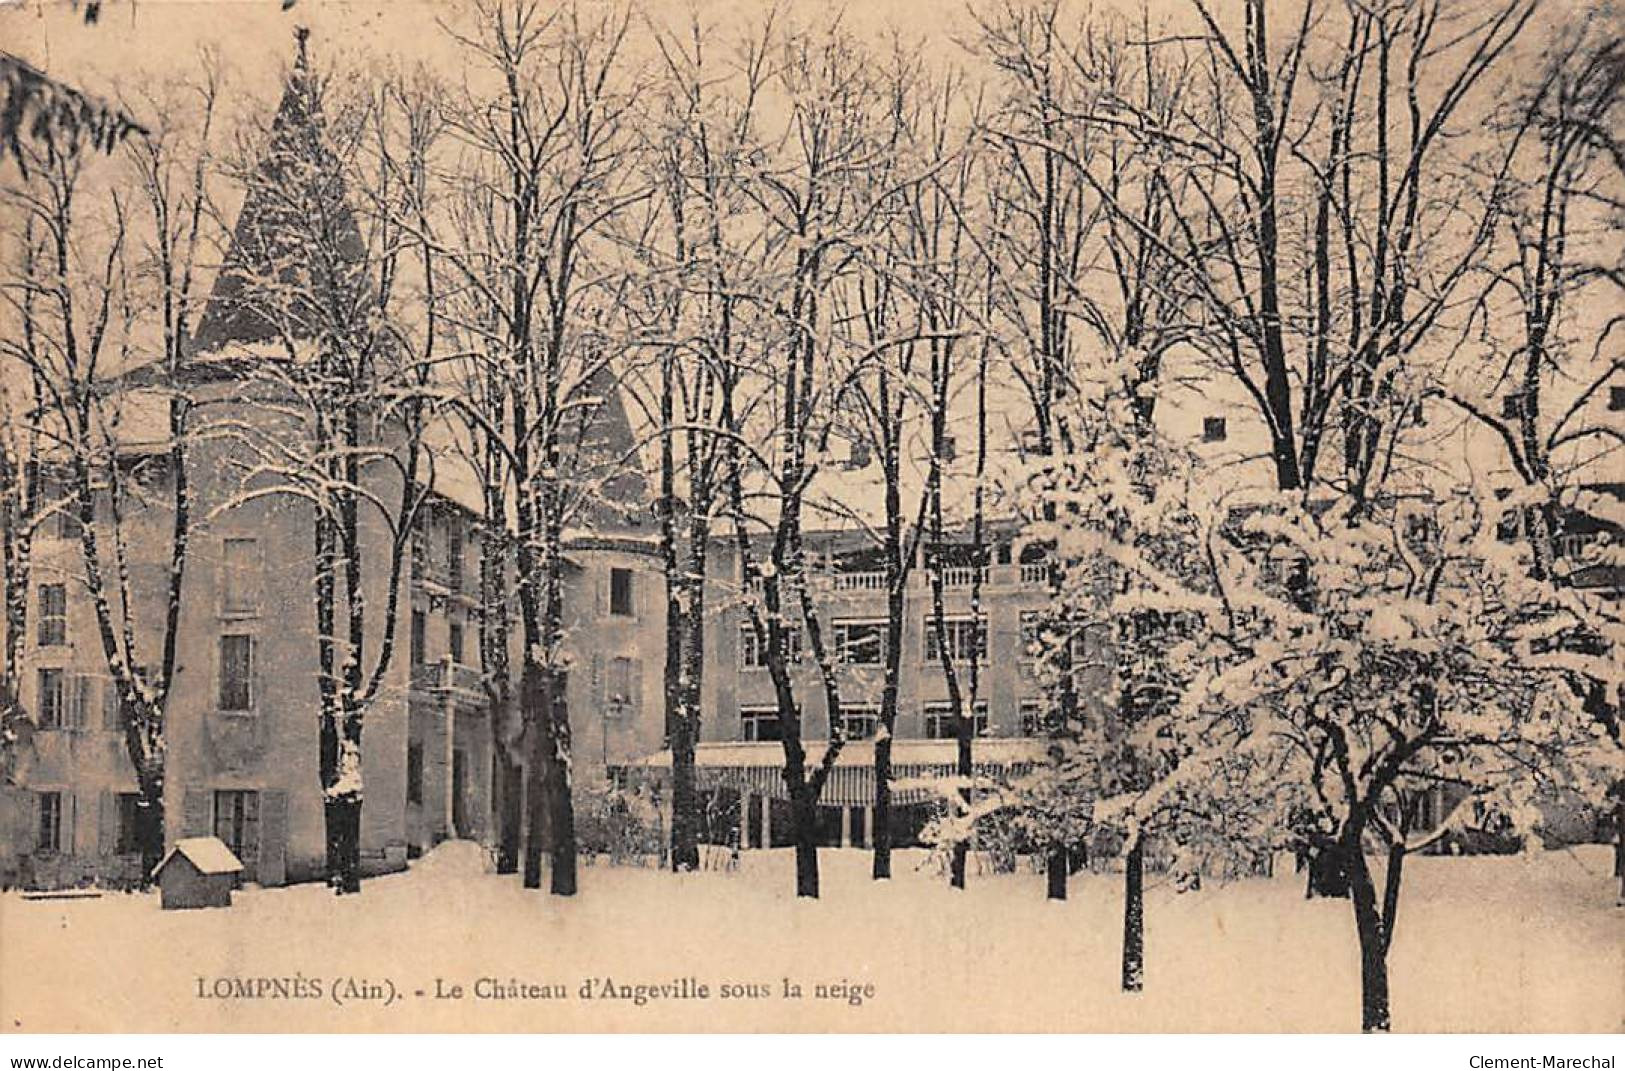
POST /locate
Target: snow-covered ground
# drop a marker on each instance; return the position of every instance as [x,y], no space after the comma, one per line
[1483,944]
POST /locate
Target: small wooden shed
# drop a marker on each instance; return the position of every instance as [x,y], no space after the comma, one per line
[197,872]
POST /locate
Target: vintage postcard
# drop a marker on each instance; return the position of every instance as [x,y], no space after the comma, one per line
[966,516]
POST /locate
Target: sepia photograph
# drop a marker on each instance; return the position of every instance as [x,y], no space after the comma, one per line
[734,517]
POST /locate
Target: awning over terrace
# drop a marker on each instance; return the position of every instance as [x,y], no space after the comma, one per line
[757,768]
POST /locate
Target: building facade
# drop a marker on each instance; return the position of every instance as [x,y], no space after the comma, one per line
[242,718]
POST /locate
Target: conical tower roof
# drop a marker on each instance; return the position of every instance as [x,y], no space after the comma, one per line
[296,263]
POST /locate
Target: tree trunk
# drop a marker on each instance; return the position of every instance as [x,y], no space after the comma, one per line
[561,807]
[1056,871]
[805,810]
[149,829]
[1619,846]
[533,703]
[343,821]
[686,802]
[685,799]
[1134,918]
[882,821]
[511,815]
[964,768]
[1374,1013]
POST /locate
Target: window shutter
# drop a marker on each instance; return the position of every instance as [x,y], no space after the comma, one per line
[79,711]
[196,813]
[634,699]
[107,824]
[70,822]
[25,830]
[601,588]
[256,577]
[273,861]
[112,705]
[600,684]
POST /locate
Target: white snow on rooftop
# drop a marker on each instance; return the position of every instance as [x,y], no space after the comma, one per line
[209,854]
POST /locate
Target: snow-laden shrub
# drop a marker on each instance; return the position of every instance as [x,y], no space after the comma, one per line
[621,824]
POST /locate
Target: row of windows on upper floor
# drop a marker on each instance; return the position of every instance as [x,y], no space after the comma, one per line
[860,452]
[67,700]
[621,602]
[864,642]
[862,721]
[240,591]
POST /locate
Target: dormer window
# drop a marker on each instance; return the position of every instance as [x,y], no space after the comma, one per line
[1214,429]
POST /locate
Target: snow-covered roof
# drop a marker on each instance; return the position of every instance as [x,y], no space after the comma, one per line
[444,466]
[209,854]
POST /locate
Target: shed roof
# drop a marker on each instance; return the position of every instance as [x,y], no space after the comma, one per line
[209,854]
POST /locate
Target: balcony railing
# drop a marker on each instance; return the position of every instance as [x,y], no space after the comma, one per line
[963,576]
[1035,572]
[865,581]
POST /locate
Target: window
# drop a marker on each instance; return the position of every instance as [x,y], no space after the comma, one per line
[860,643]
[1037,719]
[950,449]
[939,720]
[420,638]
[125,841]
[753,655]
[51,705]
[237,822]
[80,697]
[1032,634]
[860,455]
[760,724]
[1512,406]
[236,673]
[456,642]
[1214,429]
[860,723]
[50,823]
[240,569]
[420,548]
[53,615]
[967,638]
[1616,398]
[622,687]
[62,510]
[454,554]
[620,592]
[112,707]
[414,771]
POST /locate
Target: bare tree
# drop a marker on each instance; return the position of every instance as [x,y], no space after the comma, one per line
[807,182]
[544,169]
[1545,355]
[1322,223]
[696,309]
[76,343]
[317,274]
